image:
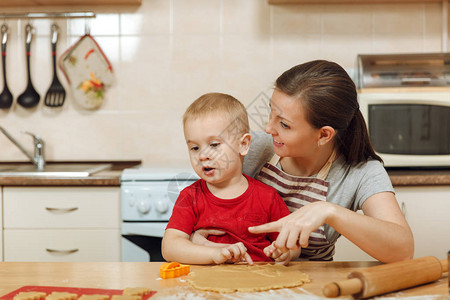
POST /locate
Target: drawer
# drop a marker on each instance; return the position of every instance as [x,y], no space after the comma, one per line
[61,207]
[62,245]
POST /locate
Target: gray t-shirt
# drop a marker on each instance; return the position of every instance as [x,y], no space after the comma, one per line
[349,186]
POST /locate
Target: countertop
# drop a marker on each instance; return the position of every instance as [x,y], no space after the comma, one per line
[120,275]
[112,177]
[109,177]
[419,177]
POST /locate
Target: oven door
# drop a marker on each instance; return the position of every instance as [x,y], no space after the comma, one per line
[141,241]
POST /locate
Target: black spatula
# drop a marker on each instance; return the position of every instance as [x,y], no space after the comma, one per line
[56,94]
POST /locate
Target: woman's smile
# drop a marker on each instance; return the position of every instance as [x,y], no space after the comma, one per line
[277,143]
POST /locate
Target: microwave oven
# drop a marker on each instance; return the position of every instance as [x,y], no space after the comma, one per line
[409,127]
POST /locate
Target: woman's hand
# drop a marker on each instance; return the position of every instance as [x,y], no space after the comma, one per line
[296,228]
[200,237]
[232,253]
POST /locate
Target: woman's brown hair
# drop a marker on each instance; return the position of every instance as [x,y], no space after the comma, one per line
[329,96]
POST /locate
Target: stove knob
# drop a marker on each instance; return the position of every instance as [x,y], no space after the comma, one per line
[162,206]
[143,207]
[129,196]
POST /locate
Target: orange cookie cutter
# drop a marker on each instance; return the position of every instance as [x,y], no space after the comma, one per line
[173,269]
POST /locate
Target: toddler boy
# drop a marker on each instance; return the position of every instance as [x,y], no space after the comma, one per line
[216,130]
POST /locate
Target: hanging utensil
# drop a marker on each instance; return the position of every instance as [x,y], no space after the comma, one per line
[6,98]
[29,98]
[56,94]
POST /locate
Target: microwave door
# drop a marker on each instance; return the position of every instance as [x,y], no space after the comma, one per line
[410,129]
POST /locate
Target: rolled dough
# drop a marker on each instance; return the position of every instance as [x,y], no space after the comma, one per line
[246,278]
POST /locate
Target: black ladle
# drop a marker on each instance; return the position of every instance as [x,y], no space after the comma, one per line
[29,97]
[6,98]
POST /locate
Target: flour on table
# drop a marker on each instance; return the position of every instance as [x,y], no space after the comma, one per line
[187,293]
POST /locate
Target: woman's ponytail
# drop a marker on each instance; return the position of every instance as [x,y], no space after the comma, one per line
[354,143]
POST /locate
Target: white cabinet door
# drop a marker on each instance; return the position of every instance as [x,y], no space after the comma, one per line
[62,245]
[427,210]
[347,251]
[61,207]
[61,223]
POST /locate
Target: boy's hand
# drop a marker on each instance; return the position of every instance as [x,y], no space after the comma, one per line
[200,237]
[280,257]
[232,253]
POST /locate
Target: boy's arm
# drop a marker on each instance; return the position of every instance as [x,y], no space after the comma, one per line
[176,246]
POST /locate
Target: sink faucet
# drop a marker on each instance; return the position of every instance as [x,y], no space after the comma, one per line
[38,158]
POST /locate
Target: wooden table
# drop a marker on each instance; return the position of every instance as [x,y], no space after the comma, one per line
[119,275]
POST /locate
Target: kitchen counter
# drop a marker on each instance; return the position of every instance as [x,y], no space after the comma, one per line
[120,275]
[419,177]
[110,177]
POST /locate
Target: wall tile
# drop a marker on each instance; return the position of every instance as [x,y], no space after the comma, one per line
[145,85]
[292,49]
[347,19]
[398,19]
[398,43]
[97,137]
[166,53]
[195,68]
[102,24]
[196,16]
[246,17]
[336,48]
[433,18]
[155,137]
[289,19]
[152,17]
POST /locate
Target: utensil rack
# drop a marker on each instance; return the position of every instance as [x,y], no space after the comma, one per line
[48,15]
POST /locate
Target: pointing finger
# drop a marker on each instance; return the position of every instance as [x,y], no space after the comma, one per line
[268,227]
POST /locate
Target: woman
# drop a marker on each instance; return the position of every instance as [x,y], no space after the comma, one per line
[320,159]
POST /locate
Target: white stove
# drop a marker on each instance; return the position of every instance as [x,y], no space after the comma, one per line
[147,199]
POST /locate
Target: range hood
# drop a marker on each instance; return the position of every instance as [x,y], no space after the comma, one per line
[403,70]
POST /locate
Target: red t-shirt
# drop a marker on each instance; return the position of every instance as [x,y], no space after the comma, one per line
[197,208]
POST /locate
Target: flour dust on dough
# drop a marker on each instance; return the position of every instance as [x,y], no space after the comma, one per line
[246,278]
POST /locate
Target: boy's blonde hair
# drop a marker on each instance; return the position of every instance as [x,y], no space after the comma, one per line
[223,105]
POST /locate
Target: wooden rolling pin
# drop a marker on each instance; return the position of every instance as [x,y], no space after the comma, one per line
[387,278]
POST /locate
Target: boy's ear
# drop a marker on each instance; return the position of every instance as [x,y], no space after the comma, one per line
[244,144]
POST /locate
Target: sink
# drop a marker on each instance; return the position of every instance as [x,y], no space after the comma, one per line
[53,169]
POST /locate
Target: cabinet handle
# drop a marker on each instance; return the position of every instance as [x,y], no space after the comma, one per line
[61,210]
[403,209]
[62,252]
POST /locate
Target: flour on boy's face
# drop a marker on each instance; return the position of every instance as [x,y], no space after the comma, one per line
[213,148]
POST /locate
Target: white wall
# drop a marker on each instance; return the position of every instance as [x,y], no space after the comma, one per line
[167,53]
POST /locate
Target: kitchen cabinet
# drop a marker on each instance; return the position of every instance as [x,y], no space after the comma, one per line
[347,1]
[61,223]
[427,210]
[67,2]
[1,222]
